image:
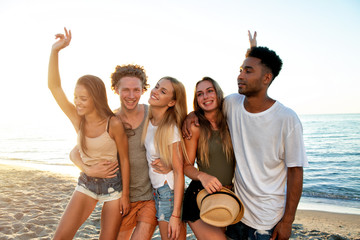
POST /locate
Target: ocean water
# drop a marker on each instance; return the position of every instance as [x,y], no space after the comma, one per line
[331,182]
[333,148]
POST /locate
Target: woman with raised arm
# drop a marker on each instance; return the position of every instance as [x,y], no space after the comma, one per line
[211,146]
[101,137]
[162,140]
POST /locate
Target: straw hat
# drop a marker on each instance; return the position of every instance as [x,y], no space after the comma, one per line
[221,208]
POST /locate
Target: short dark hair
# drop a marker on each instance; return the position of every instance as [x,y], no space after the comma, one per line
[268,57]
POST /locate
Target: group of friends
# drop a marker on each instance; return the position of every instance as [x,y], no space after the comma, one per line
[134,159]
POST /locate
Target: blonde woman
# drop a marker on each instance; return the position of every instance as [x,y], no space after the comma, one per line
[101,137]
[162,140]
[211,146]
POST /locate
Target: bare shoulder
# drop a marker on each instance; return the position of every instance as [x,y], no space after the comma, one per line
[116,123]
[194,127]
[195,130]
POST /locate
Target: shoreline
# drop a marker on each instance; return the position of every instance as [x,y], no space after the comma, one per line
[306,203]
[327,205]
[32,202]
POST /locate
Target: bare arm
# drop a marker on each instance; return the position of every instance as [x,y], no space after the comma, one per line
[117,132]
[186,128]
[54,81]
[100,170]
[175,220]
[293,194]
[76,159]
[210,183]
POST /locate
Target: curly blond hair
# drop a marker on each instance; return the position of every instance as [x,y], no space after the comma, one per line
[129,70]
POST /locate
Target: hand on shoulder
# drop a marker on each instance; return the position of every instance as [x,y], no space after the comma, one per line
[190,119]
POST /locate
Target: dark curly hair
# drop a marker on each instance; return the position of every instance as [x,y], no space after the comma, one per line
[268,57]
[129,70]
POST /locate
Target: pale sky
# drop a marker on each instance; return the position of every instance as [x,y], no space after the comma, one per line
[318,41]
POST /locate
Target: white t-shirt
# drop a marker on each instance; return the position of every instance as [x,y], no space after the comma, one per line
[265,144]
[157,179]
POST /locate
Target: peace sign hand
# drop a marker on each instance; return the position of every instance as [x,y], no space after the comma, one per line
[252,40]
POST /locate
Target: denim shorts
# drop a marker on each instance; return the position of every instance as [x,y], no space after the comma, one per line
[101,189]
[243,232]
[164,202]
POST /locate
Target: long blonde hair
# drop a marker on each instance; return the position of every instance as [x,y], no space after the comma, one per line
[205,126]
[173,117]
[97,91]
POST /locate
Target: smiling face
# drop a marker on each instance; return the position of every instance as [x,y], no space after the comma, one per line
[130,90]
[83,101]
[162,95]
[206,96]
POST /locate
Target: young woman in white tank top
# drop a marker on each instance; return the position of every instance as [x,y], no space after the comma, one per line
[162,140]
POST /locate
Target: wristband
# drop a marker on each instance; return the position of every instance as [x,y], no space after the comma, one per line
[174,216]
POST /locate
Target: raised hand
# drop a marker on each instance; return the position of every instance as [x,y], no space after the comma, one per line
[63,40]
[252,39]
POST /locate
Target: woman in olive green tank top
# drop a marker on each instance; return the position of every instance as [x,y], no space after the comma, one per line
[211,146]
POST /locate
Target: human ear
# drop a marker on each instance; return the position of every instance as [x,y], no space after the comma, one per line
[268,78]
[117,90]
[172,103]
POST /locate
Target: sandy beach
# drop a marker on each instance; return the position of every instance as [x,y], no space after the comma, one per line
[32,202]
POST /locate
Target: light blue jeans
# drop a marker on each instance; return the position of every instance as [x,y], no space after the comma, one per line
[164,202]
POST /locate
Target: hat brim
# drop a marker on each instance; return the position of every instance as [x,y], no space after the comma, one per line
[241,205]
[203,193]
